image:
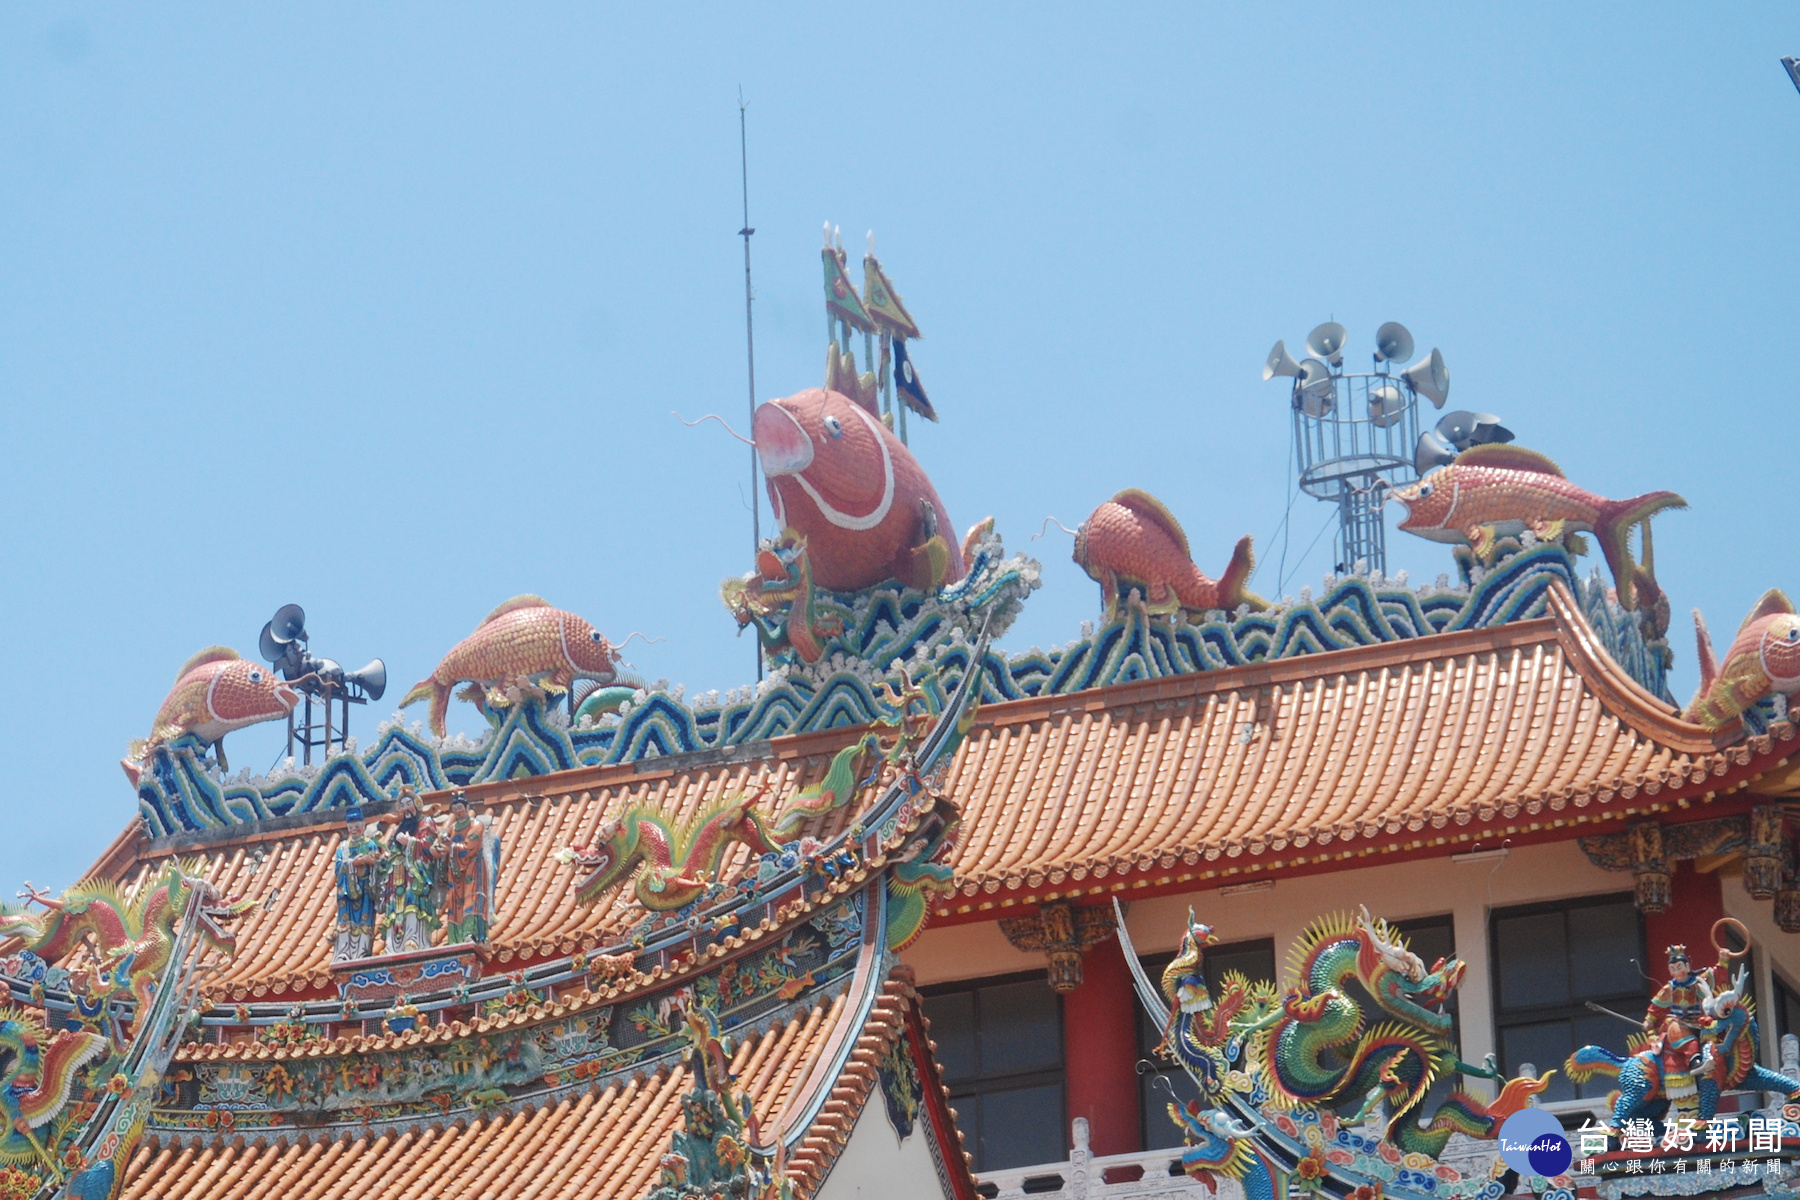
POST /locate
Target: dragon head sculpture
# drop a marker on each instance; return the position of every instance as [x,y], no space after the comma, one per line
[1399,979]
[217,914]
[603,862]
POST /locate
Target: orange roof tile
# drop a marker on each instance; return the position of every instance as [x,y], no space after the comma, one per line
[284,944]
[595,1145]
[1246,766]
[1284,764]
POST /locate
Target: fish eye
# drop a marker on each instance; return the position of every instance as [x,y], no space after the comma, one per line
[1424,490]
[596,636]
[834,427]
[1793,635]
[256,675]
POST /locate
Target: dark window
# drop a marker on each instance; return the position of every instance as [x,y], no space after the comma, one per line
[1550,961]
[1000,1047]
[1787,1009]
[1257,961]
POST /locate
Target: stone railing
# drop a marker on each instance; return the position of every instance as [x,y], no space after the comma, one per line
[1142,1176]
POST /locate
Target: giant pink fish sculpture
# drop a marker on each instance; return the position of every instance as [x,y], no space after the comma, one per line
[524,642]
[215,692]
[845,483]
[1494,491]
[1763,658]
[1133,542]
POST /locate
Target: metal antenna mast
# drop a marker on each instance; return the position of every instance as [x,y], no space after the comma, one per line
[750,348]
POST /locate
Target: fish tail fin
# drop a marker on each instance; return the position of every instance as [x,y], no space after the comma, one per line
[1704,653]
[440,707]
[439,695]
[927,566]
[1237,574]
[1614,531]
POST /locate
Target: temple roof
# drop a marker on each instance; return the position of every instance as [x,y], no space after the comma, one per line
[1503,731]
[284,946]
[599,1143]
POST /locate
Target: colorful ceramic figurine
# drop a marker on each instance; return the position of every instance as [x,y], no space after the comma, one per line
[36,1080]
[841,479]
[777,598]
[1699,1041]
[1494,491]
[1322,1050]
[130,939]
[357,865]
[469,854]
[849,767]
[522,644]
[1132,543]
[215,692]
[408,914]
[1764,657]
[1198,1029]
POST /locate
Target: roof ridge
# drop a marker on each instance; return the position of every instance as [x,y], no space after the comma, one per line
[1631,701]
[1264,672]
[830,1131]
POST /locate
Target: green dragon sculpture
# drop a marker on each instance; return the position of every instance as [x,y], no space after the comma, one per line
[841,783]
[1316,1049]
[129,939]
[674,862]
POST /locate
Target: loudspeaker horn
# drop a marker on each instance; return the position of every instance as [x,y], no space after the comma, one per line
[372,679]
[272,648]
[289,624]
[1432,451]
[1430,378]
[1393,343]
[1463,429]
[1327,341]
[1280,363]
[1317,392]
[1386,405]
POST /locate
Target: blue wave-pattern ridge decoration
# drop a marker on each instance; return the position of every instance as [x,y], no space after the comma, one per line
[887,630]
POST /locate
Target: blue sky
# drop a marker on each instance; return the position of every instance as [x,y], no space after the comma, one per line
[385,312]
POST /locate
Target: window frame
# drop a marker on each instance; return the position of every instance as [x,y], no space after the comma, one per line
[1784,992]
[1505,1018]
[966,1093]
